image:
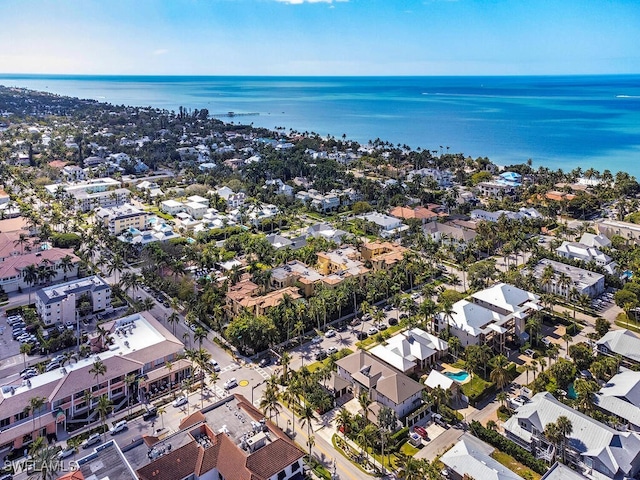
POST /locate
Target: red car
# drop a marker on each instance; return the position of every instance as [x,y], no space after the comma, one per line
[421,431]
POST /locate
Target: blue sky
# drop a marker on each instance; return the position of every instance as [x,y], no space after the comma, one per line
[320,37]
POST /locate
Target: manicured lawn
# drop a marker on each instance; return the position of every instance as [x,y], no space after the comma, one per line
[408,449]
[513,465]
[316,365]
[475,387]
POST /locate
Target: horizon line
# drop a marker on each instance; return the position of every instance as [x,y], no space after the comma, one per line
[309,76]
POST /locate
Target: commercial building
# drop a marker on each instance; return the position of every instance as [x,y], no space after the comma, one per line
[230,441]
[60,303]
[138,346]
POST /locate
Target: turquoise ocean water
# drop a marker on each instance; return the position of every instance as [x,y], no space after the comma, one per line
[557,121]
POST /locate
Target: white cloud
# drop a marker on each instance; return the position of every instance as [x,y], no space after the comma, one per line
[160,51]
[300,2]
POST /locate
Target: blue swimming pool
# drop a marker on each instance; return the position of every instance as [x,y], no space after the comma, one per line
[460,376]
[571,392]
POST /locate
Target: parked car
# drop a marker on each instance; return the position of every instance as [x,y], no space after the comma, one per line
[150,413]
[91,440]
[118,427]
[382,326]
[388,308]
[330,333]
[372,330]
[52,366]
[530,353]
[355,322]
[321,355]
[231,383]
[438,420]
[362,335]
[181,400]
[67,452]
[332,350]
[341,328]
[421,431]
[316,339]
[546,342]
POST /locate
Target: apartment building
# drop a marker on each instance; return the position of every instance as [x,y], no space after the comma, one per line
[382,255]
[86,201]
[60,303]
[121,218]
[584,281]
[612,228]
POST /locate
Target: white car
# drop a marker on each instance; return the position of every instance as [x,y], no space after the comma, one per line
[67,452]
[372,331]
[118,427]
[330,333]
[316,340]
[231,383]
[178,402]
[91,440]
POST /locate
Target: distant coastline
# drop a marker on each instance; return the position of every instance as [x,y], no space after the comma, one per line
[587,121]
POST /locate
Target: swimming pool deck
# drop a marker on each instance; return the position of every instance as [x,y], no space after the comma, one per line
[450,368]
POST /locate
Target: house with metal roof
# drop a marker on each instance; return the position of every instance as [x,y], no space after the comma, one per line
[620,397]
[411,350]
[620,342]
[591,446]
[471,458]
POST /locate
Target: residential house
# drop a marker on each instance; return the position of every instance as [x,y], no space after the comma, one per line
[443,178]
[384,385]
[279,187]
[511,301]
[495,189]
[620,397]
[595,241]
[583,281]
[410,351]
[279,242]
[622,343]
[60,303]
[417,213]
[585,253]
[388,226]
[326,231]
[234,200]
[471,458]
[437,379]
[172,207]
[591,446]
[449,234]
[560,471]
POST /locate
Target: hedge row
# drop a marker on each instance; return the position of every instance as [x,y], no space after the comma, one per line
[507,446]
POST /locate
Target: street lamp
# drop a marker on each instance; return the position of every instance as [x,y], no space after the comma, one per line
[253,388]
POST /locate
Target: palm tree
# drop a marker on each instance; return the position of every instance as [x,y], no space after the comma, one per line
[173,319]
[290,396]
[30,276]
[22,240]
[104,407]
[343,420]
[98,368]
[502,397]
[199,335]
[307,415]
[25,349]
[552,433]
[567,338]
[285,361]
[585,390]
[130,380]
[269,402]
[565,427]
[364,400]
[66,263]
[34,406]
